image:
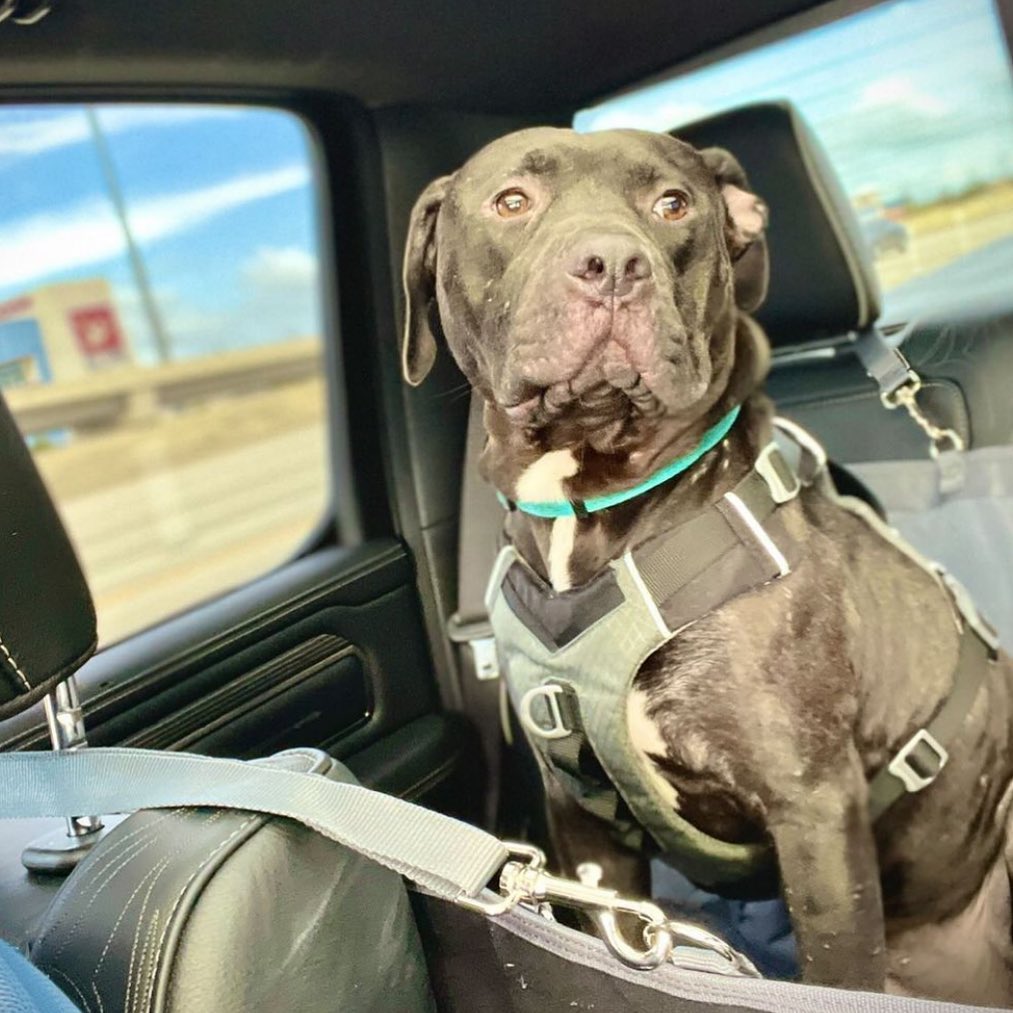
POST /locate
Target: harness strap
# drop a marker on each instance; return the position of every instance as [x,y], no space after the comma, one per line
[737,545]
[919,761]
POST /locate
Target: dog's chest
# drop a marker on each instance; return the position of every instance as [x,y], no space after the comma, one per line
[683,747]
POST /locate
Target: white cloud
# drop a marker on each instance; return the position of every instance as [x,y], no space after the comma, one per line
[166,215]
[899,91]
[281,267]
[33,136]
[663,116]
[87,233]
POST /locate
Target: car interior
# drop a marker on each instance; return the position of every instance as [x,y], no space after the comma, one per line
[364,640]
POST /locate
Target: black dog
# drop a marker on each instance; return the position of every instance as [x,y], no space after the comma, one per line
[593,290]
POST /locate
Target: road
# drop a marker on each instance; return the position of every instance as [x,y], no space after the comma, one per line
[160,543]
[979,283]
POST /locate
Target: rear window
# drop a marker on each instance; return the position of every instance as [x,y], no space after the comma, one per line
[161,342]
[913,101]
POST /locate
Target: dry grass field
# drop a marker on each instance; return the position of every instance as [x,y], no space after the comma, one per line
[173,511]
[947,231]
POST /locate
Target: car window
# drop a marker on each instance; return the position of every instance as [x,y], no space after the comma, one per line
[160,341]
[914,104]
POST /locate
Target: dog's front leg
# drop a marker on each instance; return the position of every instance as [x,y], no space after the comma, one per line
[576,836]
[830,878]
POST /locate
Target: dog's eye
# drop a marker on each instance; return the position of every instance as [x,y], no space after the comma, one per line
[512,203]
[671,205]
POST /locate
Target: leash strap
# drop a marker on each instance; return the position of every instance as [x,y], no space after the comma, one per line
[899,386]
[884,362]
[450,858]
[442,855]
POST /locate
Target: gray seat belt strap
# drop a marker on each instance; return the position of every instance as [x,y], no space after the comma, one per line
[884,362]
[442,854]
[480,528]
[481,524]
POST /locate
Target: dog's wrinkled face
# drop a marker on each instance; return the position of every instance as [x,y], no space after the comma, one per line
[582,280]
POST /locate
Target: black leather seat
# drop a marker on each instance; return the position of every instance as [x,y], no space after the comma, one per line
[180,910]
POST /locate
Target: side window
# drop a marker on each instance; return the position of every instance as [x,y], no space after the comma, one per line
[160,341]
[913,101]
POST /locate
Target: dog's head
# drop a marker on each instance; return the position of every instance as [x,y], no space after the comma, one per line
[587,285]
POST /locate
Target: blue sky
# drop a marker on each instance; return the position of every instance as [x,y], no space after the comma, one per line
[220,200]
[912,99]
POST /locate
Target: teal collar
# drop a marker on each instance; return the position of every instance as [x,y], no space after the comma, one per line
[581,508]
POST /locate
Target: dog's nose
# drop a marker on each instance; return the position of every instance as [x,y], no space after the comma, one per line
[610,264]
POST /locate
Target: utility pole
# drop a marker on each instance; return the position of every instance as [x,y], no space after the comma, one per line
[158,332]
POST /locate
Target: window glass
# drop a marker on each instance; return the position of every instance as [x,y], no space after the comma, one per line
[914,104]
[160,341]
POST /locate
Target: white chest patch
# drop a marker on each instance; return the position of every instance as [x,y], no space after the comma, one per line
[647,741]
[564,530]
[543,482]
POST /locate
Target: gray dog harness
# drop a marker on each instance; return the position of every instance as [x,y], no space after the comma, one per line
[570,658]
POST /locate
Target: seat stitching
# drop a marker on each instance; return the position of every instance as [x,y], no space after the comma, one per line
[98,998]
[138,927]
[56,972]
[17,671]
[172,911]
[123,853]
[142,967]
[151,874]
[98,887]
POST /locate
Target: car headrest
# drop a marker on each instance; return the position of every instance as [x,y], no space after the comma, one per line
[47,619]
[822,281]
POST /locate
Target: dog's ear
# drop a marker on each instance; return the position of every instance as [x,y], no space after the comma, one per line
[418,348]
[747,219]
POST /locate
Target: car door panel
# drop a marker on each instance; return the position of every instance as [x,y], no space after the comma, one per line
[328,651]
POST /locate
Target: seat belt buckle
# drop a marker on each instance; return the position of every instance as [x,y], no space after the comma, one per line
[478,637]
[782,482]
[483,653]
[917,777]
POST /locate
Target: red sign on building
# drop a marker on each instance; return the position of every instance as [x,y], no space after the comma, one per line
[97,331]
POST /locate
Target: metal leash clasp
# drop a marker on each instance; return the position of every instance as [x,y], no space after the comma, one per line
[941,439]
[527,882]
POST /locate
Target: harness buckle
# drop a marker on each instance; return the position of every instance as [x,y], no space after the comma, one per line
[550,693]
[782,482]
[910,776]
[814,457]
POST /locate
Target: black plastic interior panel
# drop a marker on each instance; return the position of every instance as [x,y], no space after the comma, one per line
[435,760]
[300,657]
[530,55]
[317,692]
